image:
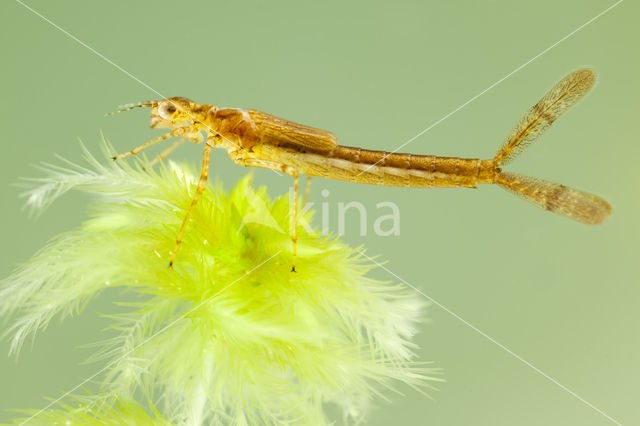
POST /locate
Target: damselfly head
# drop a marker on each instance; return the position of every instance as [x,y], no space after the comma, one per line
[172,113]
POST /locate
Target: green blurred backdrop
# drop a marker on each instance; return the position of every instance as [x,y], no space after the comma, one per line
[561,295]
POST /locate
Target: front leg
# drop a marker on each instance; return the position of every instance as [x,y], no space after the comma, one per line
[177,132]
[190,133]
[284,168]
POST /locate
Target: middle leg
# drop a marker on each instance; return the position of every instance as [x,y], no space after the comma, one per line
[166,152]
[202,183]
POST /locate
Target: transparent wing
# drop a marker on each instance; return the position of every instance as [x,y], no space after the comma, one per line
[541,116]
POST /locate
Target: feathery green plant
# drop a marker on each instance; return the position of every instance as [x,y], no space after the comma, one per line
[229,335]
[93,411]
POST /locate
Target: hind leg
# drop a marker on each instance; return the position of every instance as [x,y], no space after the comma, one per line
[254,162]
[307,191]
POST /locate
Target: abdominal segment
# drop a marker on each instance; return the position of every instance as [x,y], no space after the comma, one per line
[383,168]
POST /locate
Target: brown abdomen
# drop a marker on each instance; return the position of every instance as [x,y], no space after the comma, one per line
[382,168]
[399,169]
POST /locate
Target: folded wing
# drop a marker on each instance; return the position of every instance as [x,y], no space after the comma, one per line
[280,132]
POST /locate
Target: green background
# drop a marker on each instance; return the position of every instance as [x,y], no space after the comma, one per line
[561,295]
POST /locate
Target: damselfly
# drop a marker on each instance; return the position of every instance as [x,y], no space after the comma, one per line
[253,138]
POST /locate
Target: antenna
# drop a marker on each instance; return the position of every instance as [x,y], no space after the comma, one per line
[128,107]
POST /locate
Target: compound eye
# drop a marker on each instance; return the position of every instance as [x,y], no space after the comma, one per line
[166,110]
